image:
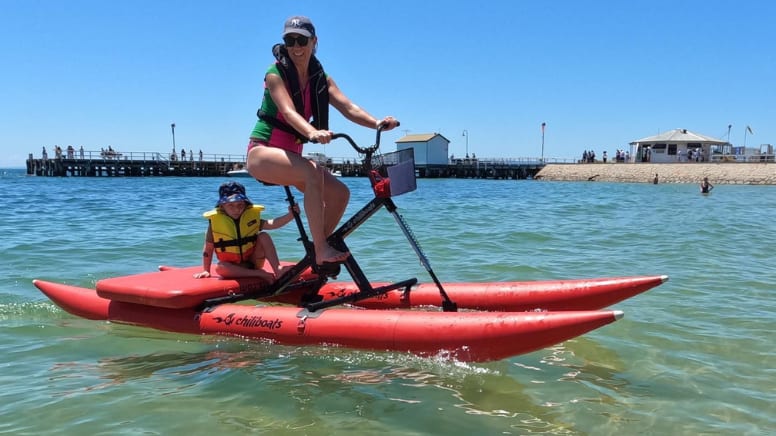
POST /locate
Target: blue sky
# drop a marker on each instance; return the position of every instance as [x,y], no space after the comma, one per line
[600,74]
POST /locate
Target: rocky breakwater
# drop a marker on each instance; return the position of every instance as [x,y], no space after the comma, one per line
[718,173]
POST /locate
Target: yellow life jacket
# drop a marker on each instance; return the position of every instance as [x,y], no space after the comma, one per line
[235,240]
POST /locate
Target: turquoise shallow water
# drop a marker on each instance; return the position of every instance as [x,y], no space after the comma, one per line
[693,356]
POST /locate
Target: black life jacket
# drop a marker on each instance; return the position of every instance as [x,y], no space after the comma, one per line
[319,95]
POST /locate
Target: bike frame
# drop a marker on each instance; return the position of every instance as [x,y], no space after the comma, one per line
[312,301]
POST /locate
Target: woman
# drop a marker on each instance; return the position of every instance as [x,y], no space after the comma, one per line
[296,89]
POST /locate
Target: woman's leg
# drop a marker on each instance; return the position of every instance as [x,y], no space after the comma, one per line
[325,197]
[335,197]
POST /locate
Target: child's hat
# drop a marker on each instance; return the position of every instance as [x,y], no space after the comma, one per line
[231,192]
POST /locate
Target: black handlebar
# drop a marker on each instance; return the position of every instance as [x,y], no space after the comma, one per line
[368,150]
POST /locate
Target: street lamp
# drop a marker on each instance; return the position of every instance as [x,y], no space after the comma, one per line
[173,135]
[543,126]
[748,129]
[466,134]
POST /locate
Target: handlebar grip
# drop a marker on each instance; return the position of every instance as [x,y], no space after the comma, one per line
[380,125]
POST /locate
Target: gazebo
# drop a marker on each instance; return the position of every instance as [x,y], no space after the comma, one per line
[678,145]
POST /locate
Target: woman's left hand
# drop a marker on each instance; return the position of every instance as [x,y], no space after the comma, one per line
[387,123]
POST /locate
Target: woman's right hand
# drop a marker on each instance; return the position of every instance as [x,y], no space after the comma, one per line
[320,137]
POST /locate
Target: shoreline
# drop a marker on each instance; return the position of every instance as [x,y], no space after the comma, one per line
[690,172]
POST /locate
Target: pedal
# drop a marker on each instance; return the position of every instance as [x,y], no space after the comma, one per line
[327,270]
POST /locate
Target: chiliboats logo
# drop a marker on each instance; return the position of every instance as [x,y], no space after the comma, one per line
[251,321]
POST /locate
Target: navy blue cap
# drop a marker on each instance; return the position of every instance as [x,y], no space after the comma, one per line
[299,24]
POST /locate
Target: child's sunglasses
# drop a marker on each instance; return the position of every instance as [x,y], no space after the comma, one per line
[290,40]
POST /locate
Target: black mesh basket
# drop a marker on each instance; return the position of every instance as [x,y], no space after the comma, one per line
[393,173]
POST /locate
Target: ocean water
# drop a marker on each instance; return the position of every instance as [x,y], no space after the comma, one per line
[693,356]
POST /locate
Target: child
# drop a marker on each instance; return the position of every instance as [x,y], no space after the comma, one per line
[235,235]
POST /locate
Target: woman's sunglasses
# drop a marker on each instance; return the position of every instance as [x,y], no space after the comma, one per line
[291,40]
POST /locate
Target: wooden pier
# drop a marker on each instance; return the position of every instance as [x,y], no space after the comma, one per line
[135,164]
[514,169]
[154,164]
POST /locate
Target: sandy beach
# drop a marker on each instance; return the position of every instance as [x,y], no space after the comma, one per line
[718,173]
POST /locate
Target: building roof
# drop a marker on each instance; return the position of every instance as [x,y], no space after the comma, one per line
[421,137]
[679,135]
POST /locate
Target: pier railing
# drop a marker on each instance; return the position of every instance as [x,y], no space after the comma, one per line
[149,156]
[152,163]
[742,158]
[143,163]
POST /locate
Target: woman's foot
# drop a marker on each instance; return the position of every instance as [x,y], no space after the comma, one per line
[330,255]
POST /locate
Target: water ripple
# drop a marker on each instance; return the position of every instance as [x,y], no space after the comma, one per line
[690,357]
